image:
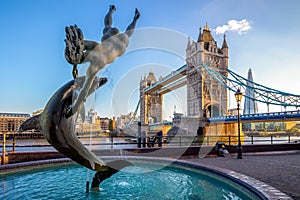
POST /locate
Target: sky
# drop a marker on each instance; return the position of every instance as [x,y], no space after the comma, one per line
[261,34]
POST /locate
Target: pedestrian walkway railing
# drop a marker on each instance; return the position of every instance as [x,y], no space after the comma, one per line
[102,142]
[233,140]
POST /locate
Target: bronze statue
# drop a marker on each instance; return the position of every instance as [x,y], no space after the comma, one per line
[57,122]
[113,44]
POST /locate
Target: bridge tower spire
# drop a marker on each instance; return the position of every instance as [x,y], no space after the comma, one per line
[225,51]
[205,96]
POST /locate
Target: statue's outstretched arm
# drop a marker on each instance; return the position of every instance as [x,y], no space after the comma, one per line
[90,45]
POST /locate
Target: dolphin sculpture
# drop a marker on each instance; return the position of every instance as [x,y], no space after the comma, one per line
[59,129]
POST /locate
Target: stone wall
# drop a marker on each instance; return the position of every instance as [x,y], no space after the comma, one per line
[16,157]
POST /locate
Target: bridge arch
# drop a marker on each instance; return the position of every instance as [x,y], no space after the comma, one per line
[212,110]
[152,120]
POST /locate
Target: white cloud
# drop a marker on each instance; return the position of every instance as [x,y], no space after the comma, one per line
[241,27]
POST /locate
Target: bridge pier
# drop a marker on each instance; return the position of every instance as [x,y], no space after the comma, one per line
[217,132]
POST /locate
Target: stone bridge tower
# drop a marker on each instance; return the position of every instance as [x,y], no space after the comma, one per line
[150,103]
[205,96]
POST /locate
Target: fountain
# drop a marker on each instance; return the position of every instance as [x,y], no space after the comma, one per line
[137,178]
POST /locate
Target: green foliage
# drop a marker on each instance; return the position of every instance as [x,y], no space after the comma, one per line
[110,125]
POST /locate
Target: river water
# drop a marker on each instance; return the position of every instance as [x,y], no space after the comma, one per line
[33,145]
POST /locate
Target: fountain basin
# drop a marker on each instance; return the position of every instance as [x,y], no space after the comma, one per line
[149,178]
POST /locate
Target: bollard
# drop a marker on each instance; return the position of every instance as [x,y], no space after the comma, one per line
[159,141]
[144,139]
[144,142]
[139,142]
[271,139]
[160,135]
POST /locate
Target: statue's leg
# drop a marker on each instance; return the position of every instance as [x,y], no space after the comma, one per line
[108,31]
[108,19]
[131,27]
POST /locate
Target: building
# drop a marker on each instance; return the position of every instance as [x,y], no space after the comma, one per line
[250,105]
[113,124]
[104,123]
[10,122]
[38,112]
[124,120]
[205,96]
[92,116]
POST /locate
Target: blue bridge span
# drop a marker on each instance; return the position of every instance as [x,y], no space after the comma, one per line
[260,117]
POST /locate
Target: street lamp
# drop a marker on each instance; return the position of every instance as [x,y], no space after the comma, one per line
[238,96]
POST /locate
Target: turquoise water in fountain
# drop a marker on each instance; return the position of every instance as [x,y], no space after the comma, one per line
[141,181]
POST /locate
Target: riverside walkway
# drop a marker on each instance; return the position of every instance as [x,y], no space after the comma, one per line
[278,169]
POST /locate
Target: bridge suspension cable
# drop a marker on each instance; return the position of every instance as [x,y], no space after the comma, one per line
[134,114]
[262,93]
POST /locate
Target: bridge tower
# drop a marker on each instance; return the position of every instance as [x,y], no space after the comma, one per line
[150,103]
[205,96]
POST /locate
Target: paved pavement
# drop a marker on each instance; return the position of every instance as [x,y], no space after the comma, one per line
[278,169]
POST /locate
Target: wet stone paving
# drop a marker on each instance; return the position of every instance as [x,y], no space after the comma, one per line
[280,170]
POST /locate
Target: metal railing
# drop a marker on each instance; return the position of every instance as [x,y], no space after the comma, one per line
[7,139]
[102,142]
[259,116]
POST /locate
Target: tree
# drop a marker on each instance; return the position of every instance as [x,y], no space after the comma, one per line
[110,125]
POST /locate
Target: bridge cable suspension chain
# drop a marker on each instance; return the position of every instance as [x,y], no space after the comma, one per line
[134,114]
[262,93]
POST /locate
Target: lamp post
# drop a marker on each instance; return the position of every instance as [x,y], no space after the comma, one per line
[238,96]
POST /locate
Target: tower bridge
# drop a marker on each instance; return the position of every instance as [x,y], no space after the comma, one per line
[204,94]
[205,75]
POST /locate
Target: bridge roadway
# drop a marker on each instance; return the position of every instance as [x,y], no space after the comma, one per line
[260,117]
[166,84]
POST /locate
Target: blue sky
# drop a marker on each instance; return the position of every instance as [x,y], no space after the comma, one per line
[32,59]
